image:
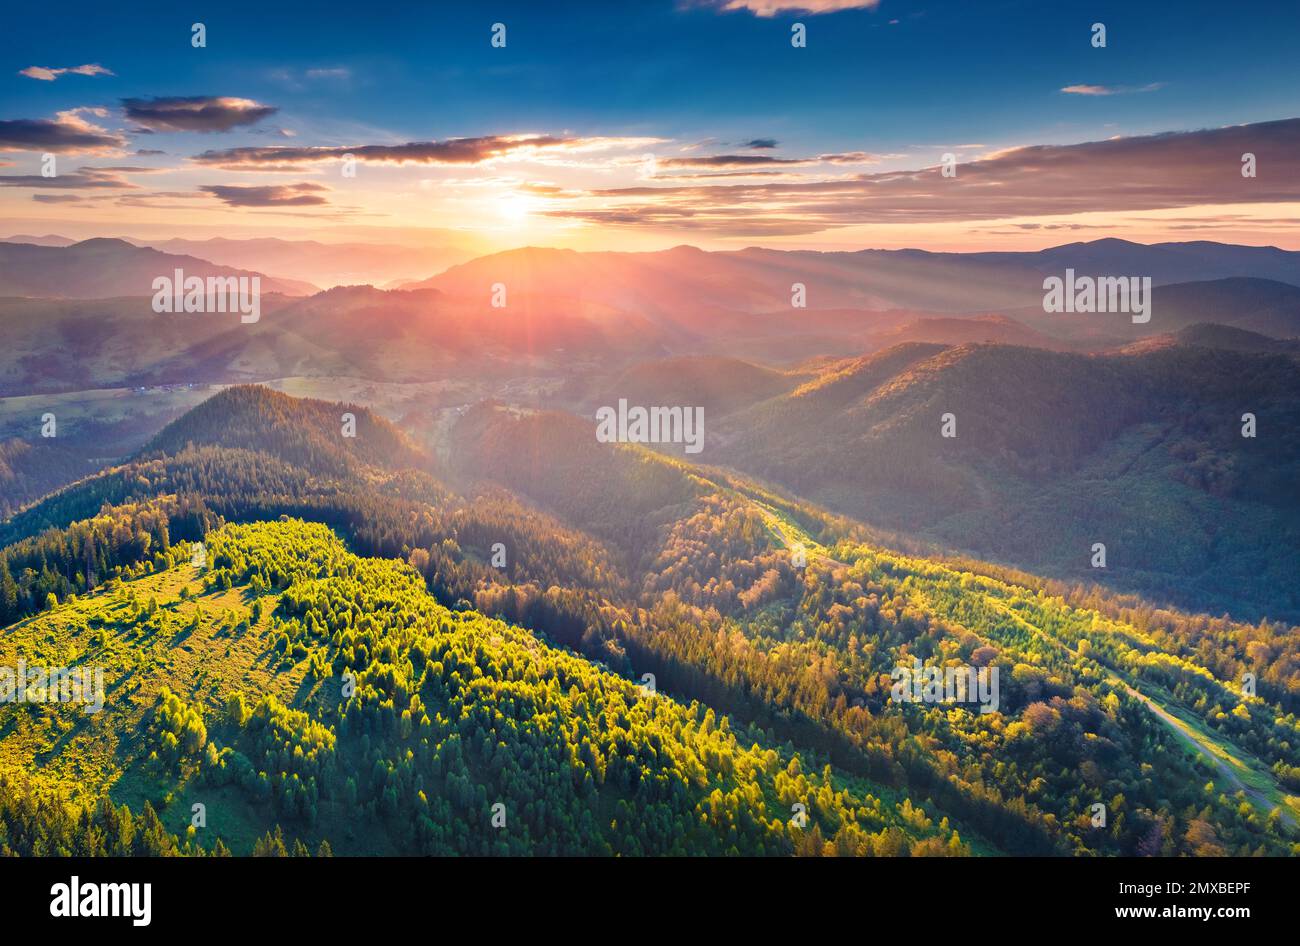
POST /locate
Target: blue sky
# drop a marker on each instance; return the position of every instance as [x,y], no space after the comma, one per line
[902,81]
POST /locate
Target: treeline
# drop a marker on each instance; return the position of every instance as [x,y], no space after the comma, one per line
[120,542]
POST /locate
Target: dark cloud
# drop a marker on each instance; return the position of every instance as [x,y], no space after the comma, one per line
[848,157]
[449,151]
[68,133]
[763,160]
[195,113]
[759,143]
[726,161]
[271,195]
[735,172]
[755,221]
[84,177]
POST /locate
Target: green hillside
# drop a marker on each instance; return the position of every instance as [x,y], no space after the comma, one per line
[772,629]
[225,688]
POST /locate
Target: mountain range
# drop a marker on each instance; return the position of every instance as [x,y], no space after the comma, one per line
[1071,429]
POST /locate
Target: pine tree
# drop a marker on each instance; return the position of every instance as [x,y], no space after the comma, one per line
[8,595]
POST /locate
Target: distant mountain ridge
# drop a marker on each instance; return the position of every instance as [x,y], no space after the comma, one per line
[50,239]
[315,262]
[757,279]
[105,268]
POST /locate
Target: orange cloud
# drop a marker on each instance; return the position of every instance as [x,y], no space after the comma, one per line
[274,195]
[448,151]
[1153,172]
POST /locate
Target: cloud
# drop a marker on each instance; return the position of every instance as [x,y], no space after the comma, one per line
[848,157]
[1123,174]
[448,151]
[68,132]
[58,198]
[299,80]
[764,160]
[759,143]
[47,74]
[272,195]
[205,113]
[727,161]
[766,8]
[84,177]
[768,174]
[1111,89]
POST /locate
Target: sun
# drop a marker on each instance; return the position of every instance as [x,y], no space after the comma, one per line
[515,208]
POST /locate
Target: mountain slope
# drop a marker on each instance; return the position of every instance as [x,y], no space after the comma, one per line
[719,385]
[1053,452]
[459,726]
[1252,304]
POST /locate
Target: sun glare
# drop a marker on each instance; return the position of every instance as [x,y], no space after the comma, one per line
[514,209]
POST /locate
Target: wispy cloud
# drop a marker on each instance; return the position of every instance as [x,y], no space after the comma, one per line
[448,151]
[305,194]
[767,8]
[84,177]
[299,79]
[762,160]
[49,74]
[727,161]
[1153,172]
[1112,89]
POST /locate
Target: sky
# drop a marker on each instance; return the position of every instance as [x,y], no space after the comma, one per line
[641,125]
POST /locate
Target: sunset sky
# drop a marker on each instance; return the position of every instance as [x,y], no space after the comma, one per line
[645,125]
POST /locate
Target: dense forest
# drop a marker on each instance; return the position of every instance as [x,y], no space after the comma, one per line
[493,625]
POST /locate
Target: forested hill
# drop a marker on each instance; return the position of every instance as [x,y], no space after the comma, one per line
[316,435]
[462,735]
[1050,452]
[520,613]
